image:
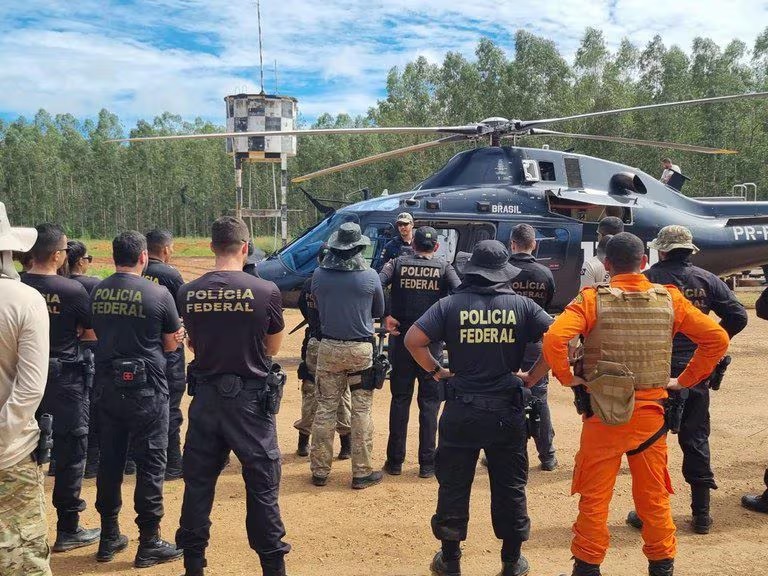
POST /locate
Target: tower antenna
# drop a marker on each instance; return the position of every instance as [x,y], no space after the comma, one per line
[261,54]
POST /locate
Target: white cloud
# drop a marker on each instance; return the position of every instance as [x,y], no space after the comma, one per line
[81,56]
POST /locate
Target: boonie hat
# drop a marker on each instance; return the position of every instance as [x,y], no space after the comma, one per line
[404,217]
[348,236]
[15,239]
[425,237]
[490,259]
[672,237]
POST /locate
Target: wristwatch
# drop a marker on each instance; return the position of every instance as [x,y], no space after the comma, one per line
[434,371]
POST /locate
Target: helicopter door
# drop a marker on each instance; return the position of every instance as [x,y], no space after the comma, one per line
[559,248]
[380,233]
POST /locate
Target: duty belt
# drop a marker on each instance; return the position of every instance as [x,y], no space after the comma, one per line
[369,339]
[489,401]
[230,385]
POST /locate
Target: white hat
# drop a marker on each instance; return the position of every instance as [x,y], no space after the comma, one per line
[15,239]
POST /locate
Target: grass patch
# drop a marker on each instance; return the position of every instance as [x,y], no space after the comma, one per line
[183,247]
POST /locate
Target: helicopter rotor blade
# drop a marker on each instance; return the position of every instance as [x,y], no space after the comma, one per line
[467,130]
[618,139]
[530,123]
[380,156]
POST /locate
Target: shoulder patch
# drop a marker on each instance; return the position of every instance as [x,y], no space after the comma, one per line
[578,300]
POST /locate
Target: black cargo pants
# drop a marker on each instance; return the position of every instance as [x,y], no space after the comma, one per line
[694,436]
[67,400]
[498,428]
[405,371]
[174,373]
[544,440]
[141,415]
[218,424]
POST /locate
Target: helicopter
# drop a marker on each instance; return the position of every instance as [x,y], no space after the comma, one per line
[483,193]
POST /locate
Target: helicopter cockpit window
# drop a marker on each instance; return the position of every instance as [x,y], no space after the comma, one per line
[379,234]
[551,245]
[301,256]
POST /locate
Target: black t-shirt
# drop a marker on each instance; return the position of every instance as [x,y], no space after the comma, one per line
[227,315]
[164,274]
[130,315]
[705,291]
[393,249]
[534,280]
[67,303]
[486,331]
[88,282]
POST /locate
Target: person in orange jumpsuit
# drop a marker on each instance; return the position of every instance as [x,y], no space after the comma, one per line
[643,437]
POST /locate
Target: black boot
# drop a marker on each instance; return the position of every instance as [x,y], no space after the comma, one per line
[77,539]
[634,520]
[701,521]
[440,567]
[154,550]
[346,447]
[111,541]
[273,566]
[373,478]
[303,447]
[194,566]
[130,467]
[91,470]
[519,568]
[173,468]
[661,567]
[581,568]
[756,503]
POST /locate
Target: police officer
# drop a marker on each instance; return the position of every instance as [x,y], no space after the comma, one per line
[486,327]
[235,324]
[708,293]
[136,322]
[79,262]
[159,271]
[417,281]
[537,283]
[628,329]
[594,272]
[306,373]
[348,295]
[66,394]
[394,247]
[759,502]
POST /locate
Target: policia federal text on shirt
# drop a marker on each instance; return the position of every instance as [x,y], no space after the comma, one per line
[136,322]
[235,323]
[486,327]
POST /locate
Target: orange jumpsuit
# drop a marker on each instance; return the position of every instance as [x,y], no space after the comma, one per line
[602,446]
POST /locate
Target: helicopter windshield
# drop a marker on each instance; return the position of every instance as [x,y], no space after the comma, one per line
[300,257]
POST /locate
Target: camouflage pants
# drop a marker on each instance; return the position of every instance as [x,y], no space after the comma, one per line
[23,527]
[309,398]
[335,362]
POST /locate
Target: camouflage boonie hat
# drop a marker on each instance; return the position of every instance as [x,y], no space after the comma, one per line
[672,237]
[334,261]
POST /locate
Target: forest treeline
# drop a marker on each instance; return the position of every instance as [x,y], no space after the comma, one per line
[60,167]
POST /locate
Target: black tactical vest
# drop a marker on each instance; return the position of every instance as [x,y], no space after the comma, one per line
[416,285]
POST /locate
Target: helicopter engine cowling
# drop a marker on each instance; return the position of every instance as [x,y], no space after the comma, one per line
[625,182]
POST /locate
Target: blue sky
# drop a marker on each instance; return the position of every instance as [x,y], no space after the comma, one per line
[141,58]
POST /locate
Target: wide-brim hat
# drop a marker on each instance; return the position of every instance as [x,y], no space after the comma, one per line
[490,260]
[15,239]
[672,237]
[348,236]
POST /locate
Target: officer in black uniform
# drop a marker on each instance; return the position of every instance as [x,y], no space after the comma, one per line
[235,323]
[79,260]
[394,247]
[486,327]
[418,281]
[136,322]
[66,392]
[537,283]
[708,293]
[159,271]
[759,502]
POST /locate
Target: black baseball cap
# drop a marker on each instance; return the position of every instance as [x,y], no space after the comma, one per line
[425,238]
[490,260]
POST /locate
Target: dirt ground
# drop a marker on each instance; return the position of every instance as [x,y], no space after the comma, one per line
[385,530]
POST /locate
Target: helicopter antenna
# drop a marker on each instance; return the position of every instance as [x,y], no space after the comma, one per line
[261,52]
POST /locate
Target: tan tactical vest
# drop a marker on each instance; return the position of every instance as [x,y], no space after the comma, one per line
[630,348]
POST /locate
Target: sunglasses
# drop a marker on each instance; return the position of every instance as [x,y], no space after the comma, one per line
[67,249]
[89,258]
[403,224]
